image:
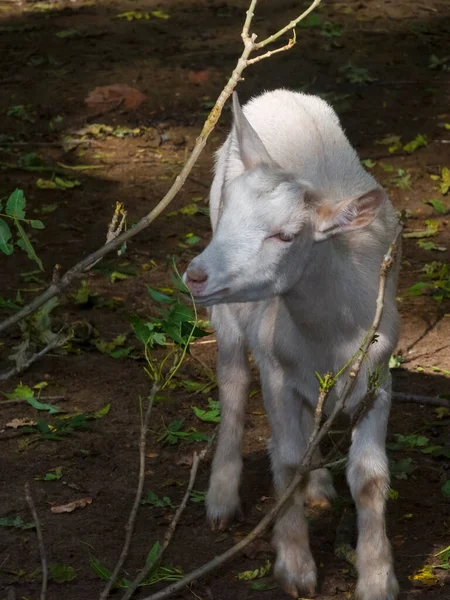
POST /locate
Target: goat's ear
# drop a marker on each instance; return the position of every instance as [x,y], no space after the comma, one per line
[348,215]
[251,149]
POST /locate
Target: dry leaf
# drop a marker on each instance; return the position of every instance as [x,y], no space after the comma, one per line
[424,576]
[108,97]
[15,423]
[66,508]
[198,77]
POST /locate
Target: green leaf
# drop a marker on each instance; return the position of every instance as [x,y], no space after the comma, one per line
[99,569]
[41,406]
[15,207]
[153,500]
[311,20]
[61,573]
[418,142]
[101,412]
[5,236]
[153,554]
[161,298]
[401,469]
[36,224]
[209,416]
[67,33]
[21,392]
[198,496]
[368,163]
[440,207]
[25,243]
[16,522]
[445,489]
[53,475]
[159,14]
[263,586]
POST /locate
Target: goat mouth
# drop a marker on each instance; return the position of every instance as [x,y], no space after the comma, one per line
[209,299]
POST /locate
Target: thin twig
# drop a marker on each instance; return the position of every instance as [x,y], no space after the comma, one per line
[40,537]
[19,400]
[288,46]
[170,530]
[306,464]
[288,27]
[405,397]
[133,514]
[56,343]
[213,117]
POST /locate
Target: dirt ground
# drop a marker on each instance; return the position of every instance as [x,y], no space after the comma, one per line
[52,54]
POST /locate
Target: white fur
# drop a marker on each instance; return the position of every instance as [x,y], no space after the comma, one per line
[300,307]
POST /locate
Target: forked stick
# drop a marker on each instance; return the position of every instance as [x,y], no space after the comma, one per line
[133,514]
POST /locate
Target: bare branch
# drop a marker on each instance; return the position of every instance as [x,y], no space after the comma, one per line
[288,27]
[306,464]
[59,340]
[288,46]
[40,537]
[132,518]
[250,45]
[171,529]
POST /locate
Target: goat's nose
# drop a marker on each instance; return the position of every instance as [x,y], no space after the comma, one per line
[197,274]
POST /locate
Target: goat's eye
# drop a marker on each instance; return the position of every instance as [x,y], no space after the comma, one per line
[284,237]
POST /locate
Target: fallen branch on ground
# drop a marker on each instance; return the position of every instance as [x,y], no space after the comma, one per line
[250,46]
[306,464]
[58,341]
[171,529]
[40,537]
[133,514]
[405,397]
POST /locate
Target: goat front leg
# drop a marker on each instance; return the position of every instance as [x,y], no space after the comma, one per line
[368,477]
[294,569]
[233,373]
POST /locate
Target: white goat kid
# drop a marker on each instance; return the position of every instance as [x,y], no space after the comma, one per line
[292,273]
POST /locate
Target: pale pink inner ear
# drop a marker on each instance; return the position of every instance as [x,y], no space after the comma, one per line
[348,214]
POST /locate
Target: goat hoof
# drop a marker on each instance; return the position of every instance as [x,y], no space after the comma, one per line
[223,523]
[376,587]
[296,574]
[320,491]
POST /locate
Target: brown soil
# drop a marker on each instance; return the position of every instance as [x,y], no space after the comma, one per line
[181,64]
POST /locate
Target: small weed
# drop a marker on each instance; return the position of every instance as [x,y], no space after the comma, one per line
[402,180]
[198,497]
[356,74]
[401,469]
[439,64]
[22,112]
[53,475]
[152,499]
[172,434]
[408,442]
[15,212]
[440,207]
[438,284]
[210,415]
